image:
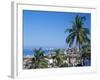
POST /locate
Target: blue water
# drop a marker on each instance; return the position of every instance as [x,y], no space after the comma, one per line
[27,52]
[31,52]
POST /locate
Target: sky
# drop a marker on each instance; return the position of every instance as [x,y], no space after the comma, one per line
[46,28]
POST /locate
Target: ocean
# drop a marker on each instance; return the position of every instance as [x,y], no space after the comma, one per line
[31,52]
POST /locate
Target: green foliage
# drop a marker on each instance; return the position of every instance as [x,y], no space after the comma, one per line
[39,60]
[58,57]
[86,51]
[77,32]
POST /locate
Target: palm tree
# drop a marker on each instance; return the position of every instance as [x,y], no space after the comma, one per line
[58,58]
[86,51]
[39,60]
[78,34]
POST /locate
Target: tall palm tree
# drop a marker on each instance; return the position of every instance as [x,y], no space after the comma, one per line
[38,60]
[78,34]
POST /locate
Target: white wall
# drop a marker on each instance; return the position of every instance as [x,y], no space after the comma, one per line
[5,37]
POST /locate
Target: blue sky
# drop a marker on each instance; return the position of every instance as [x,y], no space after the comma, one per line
[46,29]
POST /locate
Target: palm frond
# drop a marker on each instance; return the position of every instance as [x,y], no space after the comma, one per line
[78,33]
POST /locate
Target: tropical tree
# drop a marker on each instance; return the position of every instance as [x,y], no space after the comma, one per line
[39,61]
[78,34]
[59,58]
[86,51]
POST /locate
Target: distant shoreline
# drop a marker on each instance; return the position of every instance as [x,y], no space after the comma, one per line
[30,51]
